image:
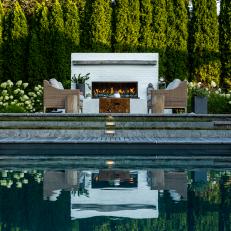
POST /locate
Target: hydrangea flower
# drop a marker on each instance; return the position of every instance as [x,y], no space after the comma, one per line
[213,84]
[25,85]
[4,92]
[16,91]
[3,85]
[9,83]
[19,83]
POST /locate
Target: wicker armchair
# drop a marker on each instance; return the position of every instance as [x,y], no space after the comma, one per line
[56,98]
[174,98]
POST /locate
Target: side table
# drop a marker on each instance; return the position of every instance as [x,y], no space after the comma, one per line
[72,104]
[158,103]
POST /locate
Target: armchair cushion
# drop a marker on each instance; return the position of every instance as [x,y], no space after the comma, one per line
[54,83]
[174,84]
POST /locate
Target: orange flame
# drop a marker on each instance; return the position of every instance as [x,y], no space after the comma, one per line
[111,91]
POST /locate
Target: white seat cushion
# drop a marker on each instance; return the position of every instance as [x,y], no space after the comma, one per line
[174,84]
[61,86]
[54,83]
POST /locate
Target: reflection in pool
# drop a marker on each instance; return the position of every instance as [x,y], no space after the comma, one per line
[115,199]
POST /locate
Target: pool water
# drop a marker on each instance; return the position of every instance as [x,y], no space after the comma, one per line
[118,199]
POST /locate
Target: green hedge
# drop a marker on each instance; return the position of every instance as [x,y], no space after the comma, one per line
[37,37]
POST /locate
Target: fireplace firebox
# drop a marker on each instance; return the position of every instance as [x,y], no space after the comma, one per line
[107,89]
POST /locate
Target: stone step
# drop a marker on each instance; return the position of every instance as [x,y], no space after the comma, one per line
[118,125]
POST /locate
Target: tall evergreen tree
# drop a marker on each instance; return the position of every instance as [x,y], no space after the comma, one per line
[171,35]
[127,25]
[159,32]
[177,38]
[34,58]
[146,35]
[71,25]
[80,5]
[225,42]
[58,66]
[101,25]
[134,25]
[38,62]
[85,27]
[1,41]
[205,42]
[121,23]
[71,31]
[15,48]
[81,8]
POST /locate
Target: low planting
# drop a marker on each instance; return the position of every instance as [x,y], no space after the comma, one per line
[219,102]
[19,98]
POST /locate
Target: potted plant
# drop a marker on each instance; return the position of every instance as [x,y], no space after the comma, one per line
[88,95]
[80,81]
[200,99]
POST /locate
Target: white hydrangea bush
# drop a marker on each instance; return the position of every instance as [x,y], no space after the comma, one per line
[18,95]
[17,179]
[204,89]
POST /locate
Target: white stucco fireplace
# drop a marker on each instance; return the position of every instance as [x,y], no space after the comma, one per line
[128,73]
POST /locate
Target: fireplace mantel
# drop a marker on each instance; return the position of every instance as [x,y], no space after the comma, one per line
[114,62]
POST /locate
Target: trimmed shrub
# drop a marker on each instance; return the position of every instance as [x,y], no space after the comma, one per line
[85,39]
[39,46]
[127,26]
[101,23]
[72,33]
[121,24]
[59,67]
[225,43]
[146,33]
[12,109]
[177,40]
[15,45]
[159,26]
[219,103]
[205,42]
[133,30]
[71,24]
[1,40]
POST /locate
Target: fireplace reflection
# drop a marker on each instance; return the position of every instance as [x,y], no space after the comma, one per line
[107,89]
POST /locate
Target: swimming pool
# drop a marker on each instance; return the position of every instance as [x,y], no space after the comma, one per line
[70,193]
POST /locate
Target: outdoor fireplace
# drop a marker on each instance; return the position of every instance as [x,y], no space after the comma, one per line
[128,73]
[107,89]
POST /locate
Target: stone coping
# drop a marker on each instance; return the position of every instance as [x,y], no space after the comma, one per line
[183,115]
[129,162]
[192,116]
[116,140]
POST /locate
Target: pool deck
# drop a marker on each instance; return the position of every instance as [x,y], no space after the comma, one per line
[79,134]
